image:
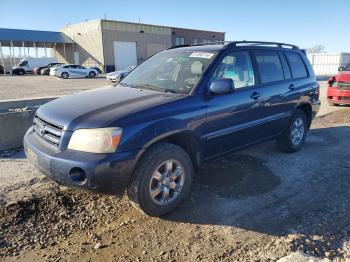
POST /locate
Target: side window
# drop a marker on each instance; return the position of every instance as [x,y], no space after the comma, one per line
[297,65]
[67,66]
[270,67]
[286,70]
[238,67]
[24,63]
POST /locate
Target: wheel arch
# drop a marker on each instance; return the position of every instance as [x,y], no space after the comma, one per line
[185,139]
[307,109]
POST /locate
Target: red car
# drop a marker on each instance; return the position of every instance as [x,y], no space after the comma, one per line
[339,87]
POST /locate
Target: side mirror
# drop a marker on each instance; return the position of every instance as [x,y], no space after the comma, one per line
[222,86]
[340,68]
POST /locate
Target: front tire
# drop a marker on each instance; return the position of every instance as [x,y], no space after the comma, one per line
[162,179]
[294,136]
[64,75]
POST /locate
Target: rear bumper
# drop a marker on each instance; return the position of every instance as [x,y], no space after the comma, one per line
[104,173]
[338,96]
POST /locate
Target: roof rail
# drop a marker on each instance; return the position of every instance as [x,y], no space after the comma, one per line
[262,43]
[236,43]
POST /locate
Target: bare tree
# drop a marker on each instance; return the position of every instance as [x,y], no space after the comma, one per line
[316,49]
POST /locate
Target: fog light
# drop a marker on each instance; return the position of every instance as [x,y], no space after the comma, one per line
[77,176]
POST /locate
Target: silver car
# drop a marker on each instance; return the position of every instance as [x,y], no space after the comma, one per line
[116,76]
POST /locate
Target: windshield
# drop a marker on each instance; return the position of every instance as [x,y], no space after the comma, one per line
[172,71]
[128,69]
[347,67]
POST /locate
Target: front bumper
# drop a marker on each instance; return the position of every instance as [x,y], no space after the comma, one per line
[113,78]
[104,173]
[338,96]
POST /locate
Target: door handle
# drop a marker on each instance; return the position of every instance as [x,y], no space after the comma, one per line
[255,95]
[292,87]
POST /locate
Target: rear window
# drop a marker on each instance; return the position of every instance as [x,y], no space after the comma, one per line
[270,67]
[297,65]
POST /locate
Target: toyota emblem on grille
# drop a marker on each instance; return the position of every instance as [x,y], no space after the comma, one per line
[42,130]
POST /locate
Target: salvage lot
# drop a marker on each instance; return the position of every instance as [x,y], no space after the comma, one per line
[19,87]
[256,204]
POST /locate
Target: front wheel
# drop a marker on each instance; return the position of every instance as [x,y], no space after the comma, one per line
[294,136]
[161,180]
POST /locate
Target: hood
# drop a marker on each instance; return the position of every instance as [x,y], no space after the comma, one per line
[343,76]
[100,107]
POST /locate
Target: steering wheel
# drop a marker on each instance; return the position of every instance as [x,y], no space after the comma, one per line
[190,82]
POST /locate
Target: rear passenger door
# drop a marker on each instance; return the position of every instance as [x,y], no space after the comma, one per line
[279,96]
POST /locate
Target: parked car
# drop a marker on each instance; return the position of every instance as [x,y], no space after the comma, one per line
[72,71]
[45,70]
[116,76]
[27,65]
[2,70]
[148,135]
[97,69]
[339,87]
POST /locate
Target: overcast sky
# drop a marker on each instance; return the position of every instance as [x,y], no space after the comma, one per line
[301,22]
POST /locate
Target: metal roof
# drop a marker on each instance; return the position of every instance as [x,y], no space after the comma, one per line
[33,36]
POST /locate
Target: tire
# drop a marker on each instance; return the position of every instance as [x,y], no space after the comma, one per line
[291,139]
[64,75]
[21,72]
[145,179]
[92,74]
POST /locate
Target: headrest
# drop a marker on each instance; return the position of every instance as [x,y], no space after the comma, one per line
[197,68]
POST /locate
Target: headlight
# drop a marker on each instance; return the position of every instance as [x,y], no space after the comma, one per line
[100,140]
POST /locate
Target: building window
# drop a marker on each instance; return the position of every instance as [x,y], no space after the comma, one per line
[195,41]
[179,40]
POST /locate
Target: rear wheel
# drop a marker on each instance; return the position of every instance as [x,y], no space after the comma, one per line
[294,136]
[92,74]
[161,180]
[64,75]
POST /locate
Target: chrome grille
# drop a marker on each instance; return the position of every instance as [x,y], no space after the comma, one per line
[50,132]
[344,85]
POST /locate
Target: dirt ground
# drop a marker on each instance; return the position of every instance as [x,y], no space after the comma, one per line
[29,86]
[254,205]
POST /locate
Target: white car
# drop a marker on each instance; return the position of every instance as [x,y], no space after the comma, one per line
[70,70]
[119,75]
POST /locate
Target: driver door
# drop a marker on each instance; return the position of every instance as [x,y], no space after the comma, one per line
[233,119]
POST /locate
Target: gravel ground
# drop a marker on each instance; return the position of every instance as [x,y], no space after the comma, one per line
[255,205]
[19,87]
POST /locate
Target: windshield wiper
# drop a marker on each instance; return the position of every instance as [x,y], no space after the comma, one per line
[156,88]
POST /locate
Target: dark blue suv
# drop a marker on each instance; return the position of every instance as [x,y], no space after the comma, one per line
[182,106]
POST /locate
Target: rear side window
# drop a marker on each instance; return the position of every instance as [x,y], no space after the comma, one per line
[269,65]
[297,65]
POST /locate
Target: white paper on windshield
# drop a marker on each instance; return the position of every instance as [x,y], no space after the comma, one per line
[201,55]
